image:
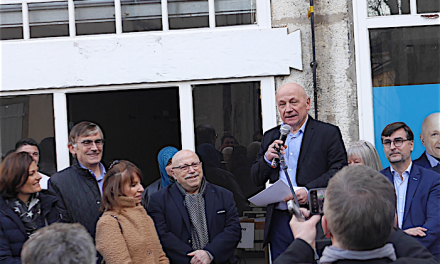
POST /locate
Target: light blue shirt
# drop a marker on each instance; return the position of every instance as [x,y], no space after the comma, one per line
[432,160]
[291,157]
[401,185]
[99,179]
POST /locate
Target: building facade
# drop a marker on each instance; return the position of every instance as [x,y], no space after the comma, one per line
[150,71]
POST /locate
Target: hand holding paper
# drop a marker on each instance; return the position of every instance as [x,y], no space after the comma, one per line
[273,194]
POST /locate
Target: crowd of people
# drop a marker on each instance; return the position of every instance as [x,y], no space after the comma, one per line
[191,213]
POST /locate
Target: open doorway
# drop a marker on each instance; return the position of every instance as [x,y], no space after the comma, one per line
[137,124]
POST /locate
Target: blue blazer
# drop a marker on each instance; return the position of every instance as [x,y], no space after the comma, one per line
[423,161]
[173,225]
[422,205]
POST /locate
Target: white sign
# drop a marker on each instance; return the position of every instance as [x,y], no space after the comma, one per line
[247,235]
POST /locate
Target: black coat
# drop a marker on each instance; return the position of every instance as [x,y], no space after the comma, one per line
[322,154]
[408,251]
[12,231]
[423,161]
[79,196]
[173,224]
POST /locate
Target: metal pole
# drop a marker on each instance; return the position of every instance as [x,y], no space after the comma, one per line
[314,64]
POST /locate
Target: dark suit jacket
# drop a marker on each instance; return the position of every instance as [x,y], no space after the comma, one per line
[322,154]
[407,250]
[423,161]
[422,205]
[173,225]
[436,168]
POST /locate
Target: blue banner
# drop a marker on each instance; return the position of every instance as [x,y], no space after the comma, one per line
[409,104]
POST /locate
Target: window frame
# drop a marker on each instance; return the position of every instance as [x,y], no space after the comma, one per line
[268,108]
[263,14]
[362,25]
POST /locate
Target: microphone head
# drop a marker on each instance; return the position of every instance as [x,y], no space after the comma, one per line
[285,129]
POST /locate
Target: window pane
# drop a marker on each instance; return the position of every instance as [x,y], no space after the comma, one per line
[142,15]
[188,14]
[136,124]
[387,7]
[406,81]
[406,55]
[233,110]
[95,17]
[29,116]
[48,19]
[11,22]
[235,12]
[428,6]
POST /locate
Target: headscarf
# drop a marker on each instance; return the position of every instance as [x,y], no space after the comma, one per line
[163,157]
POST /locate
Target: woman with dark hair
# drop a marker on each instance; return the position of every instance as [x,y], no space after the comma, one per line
[24,207]
[125,233]
[164,160]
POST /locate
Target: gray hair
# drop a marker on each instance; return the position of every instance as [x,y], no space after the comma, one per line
[83,129]
[365,151]
[360,207]
[59,243]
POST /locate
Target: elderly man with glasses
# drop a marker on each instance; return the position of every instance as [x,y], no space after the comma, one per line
[79,187]
[417,188]
[197,222]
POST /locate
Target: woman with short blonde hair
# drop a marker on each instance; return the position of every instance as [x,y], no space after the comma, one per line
[363,152]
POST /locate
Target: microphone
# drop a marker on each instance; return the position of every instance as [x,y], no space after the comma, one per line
[285,130]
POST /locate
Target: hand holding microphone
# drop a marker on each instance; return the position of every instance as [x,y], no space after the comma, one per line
[277,147]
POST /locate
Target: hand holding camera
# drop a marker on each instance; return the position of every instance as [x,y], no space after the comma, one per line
[305,229]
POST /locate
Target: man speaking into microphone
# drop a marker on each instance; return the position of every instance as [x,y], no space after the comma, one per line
[313,151]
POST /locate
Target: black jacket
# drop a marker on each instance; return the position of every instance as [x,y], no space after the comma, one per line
[322,154]
[79,196]
[12,231]
[408,251]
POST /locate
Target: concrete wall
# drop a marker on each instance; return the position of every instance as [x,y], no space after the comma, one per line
[336,76]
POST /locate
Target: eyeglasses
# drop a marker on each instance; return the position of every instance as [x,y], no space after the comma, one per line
[185,167]
[88,143]
[398,142]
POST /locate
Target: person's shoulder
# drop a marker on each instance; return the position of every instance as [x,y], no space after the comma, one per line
[427,174]
[321,125]
[163,192]
[62,173]
[387,169]
[421,158]
[272,130]
[46,194]
[436,168]
[215,188]
[108,218]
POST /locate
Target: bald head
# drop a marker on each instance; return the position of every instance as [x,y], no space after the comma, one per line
[430,135]
[289,87]
[293,105]
[181,155]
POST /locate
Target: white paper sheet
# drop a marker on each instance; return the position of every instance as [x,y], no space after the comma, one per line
[274,194]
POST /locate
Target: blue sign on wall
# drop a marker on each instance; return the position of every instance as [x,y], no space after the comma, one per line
[409,104]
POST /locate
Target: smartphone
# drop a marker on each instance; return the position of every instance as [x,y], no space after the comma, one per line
[316,201]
